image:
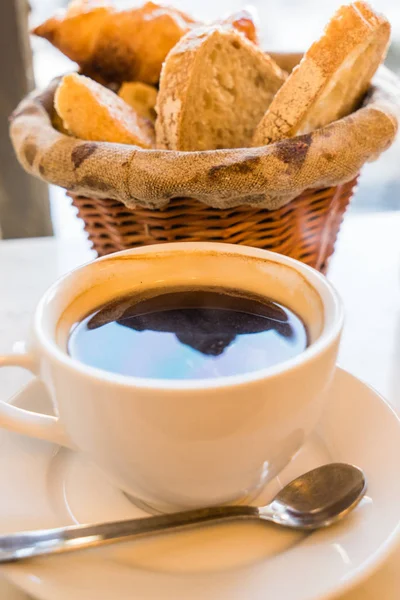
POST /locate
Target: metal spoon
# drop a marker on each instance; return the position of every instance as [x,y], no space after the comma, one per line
[316,499]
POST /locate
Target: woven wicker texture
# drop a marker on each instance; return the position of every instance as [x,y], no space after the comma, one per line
[305,229]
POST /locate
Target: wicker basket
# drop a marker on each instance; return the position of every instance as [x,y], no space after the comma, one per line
[128,196]
[305,229]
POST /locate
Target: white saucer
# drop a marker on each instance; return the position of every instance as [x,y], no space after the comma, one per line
[44,486]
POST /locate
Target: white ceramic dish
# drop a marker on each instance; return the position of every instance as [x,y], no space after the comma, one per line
[44,486]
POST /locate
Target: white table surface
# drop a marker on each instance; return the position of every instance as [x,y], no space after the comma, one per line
[365,270]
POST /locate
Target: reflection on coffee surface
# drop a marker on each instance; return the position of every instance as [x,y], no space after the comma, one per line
[188,334]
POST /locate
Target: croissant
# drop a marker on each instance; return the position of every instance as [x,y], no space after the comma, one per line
[115,46]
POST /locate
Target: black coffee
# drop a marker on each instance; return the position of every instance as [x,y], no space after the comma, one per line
[192,334]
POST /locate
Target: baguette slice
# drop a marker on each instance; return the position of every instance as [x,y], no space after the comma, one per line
[140,96]
[332,78]
[215,86]
[92,112]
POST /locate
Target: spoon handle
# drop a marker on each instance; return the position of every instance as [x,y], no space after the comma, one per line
[20,546]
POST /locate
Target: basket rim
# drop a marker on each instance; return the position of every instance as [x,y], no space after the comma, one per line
[267,176]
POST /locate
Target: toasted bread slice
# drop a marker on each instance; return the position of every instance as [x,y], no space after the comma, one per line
[332,77]
[215,86]
[140,96]
[92,112]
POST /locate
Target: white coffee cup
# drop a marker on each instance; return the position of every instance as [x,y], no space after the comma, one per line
[175,444]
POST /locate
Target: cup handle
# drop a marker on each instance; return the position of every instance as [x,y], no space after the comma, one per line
[19,420]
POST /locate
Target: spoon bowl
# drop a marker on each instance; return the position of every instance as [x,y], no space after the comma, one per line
[318,498]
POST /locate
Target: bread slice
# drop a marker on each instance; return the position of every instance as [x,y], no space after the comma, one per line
[92,112]
[140,96]
[215,86]
[332,77]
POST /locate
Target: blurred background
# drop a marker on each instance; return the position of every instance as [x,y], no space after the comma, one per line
[28,208]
